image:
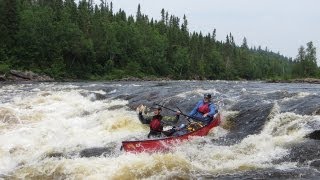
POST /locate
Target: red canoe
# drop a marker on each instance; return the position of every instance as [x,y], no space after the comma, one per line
[164,143]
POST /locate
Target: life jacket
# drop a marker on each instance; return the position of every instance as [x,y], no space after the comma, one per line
[155,124]
[204,108]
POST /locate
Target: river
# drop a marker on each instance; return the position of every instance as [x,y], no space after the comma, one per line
[74,131]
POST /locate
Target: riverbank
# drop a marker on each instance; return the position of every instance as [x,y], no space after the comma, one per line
[26,76]
[306,80]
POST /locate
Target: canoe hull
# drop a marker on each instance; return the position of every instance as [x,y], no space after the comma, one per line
[162,144]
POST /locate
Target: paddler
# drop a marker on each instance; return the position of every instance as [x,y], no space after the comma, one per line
[155,122]
[204,110]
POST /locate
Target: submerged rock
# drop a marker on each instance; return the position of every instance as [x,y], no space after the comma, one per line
[315,164]
[94,96]
[271,173]
[308,105]
[89,152]
[115,107]
[96,152]
[303,152]
[55,155]
[247,122]
[314,135]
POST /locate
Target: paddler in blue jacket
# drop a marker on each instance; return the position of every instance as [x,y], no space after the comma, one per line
[204,110]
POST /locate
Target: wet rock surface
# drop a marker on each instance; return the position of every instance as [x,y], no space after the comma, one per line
[306,80]
[88,152]
[314,135]
[315,164]
[304,152]
[3,77]
[15,75]
[247,122]
[55,155]
[96,152]
[308,105]
[299,173]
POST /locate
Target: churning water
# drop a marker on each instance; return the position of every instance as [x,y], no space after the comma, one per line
[74,131]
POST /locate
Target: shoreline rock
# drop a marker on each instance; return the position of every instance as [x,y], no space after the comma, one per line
[3,77]
[17,76]
[306,80]
[151,78]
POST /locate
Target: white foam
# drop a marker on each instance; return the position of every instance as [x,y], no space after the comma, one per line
[299,95]
[59,119]
[66,122]
[198,92]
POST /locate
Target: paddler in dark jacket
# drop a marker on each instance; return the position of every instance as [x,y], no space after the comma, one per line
[204,110]
[155,122]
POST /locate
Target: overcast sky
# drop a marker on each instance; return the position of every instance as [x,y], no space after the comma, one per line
[281,25]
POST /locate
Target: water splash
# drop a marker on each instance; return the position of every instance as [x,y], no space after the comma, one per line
[46,127]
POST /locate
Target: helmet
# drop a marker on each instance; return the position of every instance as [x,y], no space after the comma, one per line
[207,96]
[157,107]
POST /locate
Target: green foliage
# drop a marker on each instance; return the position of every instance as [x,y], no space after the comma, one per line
[85,41]
[133,69]
[4,68]
[306,62]
[57,69]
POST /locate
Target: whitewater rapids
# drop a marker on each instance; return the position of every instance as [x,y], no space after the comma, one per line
[46,127]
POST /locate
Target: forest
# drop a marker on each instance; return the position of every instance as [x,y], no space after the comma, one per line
[82,40]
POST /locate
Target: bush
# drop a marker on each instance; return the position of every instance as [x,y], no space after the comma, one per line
[4,68]
[115,74]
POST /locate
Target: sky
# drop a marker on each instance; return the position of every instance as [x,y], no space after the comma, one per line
[281,25]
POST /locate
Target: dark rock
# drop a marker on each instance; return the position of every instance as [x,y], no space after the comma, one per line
[54,155]
[115,107]
[44,94]
[96,152]
[279,95]
[2,176]
[27,76]
[146,78]
[3,77]
[100,96]
[130,79]
[300,173]
[308,105]
[95,97]
[125,97]
[306,80]
[314,135]
[316,164]
[152,96]
[303,152]
[248,121]
[85,113]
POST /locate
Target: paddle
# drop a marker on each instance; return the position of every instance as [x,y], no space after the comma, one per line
[180,112]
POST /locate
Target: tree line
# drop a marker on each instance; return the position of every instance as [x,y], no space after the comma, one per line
[83,40]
